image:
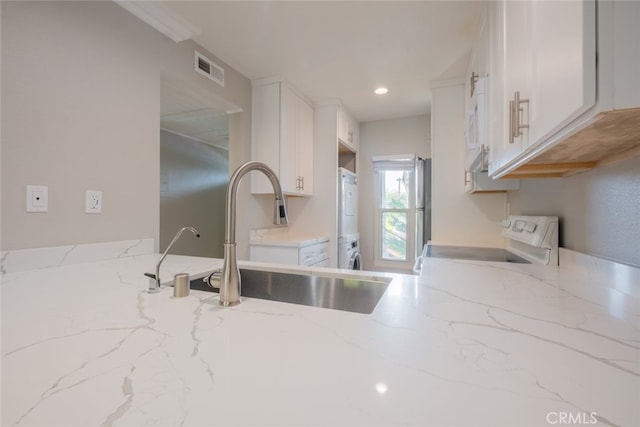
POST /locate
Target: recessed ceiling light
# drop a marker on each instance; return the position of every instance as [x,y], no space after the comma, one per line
[381,91]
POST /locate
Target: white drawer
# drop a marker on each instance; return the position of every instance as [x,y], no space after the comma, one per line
[323,263]
[308,255]
[313,254]
[322,251]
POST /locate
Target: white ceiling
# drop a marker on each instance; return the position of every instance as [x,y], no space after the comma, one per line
[188,113]
[336,49]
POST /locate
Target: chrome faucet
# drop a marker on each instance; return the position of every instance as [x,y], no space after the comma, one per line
[154,283]
[228,279]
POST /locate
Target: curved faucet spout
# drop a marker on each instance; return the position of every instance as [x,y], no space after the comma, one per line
[230,280]
[154,286]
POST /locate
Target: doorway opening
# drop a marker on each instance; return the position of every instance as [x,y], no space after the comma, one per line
[194,169]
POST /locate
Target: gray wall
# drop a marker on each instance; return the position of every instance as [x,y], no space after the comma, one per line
[78,114]
[409,135]
[81,97]
[458,218]
[194,181]
[599,210]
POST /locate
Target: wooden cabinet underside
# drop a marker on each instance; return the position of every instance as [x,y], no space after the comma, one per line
[610,136]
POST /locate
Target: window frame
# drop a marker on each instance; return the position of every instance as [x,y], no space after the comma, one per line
[410,211]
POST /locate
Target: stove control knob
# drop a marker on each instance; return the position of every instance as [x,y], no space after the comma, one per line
[530,227]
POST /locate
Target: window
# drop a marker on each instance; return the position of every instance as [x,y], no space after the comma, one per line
[399,212]
[394,201]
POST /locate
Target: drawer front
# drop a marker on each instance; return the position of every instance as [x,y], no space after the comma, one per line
[313,254]
[323,263]
[307,255]
[322,251]
[274,254]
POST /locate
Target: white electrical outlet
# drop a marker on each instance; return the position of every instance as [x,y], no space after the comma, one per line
[37,198]
[93,201]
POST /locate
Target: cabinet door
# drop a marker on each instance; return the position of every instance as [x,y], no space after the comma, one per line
[274,254]
[563,64]
[265,133]
[497,96]
[352,132]
[476,99]
[549,59]
[517,75]
[282,137]
[288,139]
[305,148]
[342,124]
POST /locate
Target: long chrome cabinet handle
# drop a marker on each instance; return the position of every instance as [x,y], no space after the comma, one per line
[519,110]
[515,111]
[511,121]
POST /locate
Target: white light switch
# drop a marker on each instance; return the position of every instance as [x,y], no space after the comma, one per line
[37,198]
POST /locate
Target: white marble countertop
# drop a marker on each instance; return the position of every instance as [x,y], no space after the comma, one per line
[463,344]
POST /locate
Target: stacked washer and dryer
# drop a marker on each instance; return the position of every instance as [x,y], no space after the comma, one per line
[348,236]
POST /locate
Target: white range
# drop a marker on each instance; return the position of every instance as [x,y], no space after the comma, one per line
[530,239]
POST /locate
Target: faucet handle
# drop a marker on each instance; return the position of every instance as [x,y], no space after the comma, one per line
[214,279]
[153,288]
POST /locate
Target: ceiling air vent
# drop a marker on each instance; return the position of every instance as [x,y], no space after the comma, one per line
[208,68]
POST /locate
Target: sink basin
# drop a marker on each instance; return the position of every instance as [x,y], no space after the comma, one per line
[348,294]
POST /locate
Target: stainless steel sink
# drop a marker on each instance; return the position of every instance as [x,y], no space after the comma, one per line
[348,294]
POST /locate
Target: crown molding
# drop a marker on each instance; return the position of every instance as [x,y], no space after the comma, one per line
[160,17]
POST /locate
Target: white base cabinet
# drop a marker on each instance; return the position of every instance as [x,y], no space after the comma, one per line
[316,255]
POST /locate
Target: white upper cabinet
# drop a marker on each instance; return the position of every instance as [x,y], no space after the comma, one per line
[498,137]
[282,137]
[304,153]
[478,118]
[517,74]
[563,64]
[547,72]
[480,182]
[476,101]
[562,93]
[347,129]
